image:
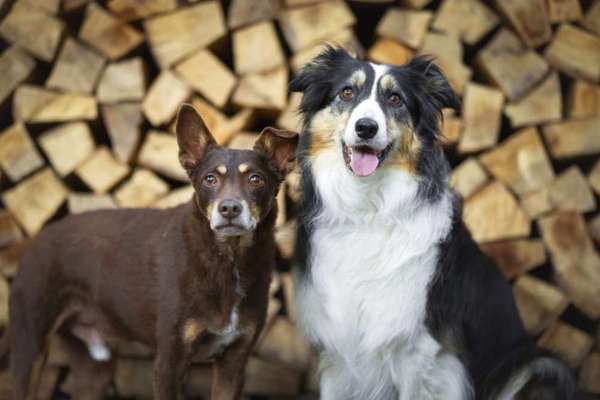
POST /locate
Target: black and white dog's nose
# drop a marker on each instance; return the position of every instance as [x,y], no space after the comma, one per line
[230,208]
[366,128]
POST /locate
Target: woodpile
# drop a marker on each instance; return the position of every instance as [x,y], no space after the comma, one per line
[89,90]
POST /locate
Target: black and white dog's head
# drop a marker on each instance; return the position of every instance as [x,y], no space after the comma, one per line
[373,119]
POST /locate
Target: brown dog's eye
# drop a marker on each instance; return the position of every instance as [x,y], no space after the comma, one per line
[347,94]
[256,180]
[395,99]
[210,180]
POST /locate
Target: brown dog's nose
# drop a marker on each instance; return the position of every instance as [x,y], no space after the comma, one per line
[230,208]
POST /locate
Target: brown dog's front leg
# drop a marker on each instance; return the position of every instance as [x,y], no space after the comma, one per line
[169,370]
[229,369]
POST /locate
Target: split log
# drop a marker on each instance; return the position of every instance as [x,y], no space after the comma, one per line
[33,30]
[594,177]
[267,90]
[16,66]
[164,97]
[18,155]
[592,18]
[4,294]
[101,171]
[76,69]
[271,379]
[516,257]
[498,59]
[569,343]
[207,75]
[122,81]
[406,26]
[305,26]
[388,51]
[468,177]
[448,53]
[285,238]
[49,6]
[290,118]
[528,18]
[174,36]
[572,138]
[281,206]
[583,100]
[482,110]
[223,128]
[67,146]
[575,52]
[242,12]
[452,127]
[570,192]
[289,293]
[38,105]
[536,204]
[539,303]
[9,230]
[82,202]
[520,162]
[141,190]
[252,44]
[594,228]
[109,35]
[9,259]
[564,10]
[123,122]
[243,141]
[576,263]
[160,153]
[175,197]
[493,214]
[131,10]
[344,39]
[293,182]
[589,376]
[476,20]
[23,201]
[543,104]
[283,343]
[72,5]
[415,3]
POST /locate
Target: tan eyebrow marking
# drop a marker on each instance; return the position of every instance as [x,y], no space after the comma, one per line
[222,169]
[358,78]
[388,82]
[243,168]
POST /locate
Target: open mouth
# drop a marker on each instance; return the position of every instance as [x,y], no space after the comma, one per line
[364,160]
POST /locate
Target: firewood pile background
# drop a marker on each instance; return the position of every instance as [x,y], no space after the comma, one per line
[89,91]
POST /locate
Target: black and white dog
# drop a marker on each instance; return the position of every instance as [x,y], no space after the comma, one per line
[392,289]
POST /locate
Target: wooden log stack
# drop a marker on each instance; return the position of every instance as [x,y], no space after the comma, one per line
[89,90]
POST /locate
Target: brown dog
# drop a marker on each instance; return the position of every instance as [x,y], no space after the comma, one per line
[191,281]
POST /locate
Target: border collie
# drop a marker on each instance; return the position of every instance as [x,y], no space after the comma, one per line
[391,288]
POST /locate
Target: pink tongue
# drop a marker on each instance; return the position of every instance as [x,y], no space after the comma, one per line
[363,163]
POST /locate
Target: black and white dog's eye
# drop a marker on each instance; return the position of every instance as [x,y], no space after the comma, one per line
[395,99]
[347,93]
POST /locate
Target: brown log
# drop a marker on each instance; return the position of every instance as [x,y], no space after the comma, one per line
[175,197]
[101,171]
[498,59]
[141,190]
[572,138]
[283,343]
[164,97]
[122,81]
[520,162]
[516,257]
[82,202]
[529,18]
[207,75]
[564,10]
[592,18]
[48,6]
[452,127]
[406,26]
[242,12]
[289,293]
[33,30]
[72,5]
[389,51]
[160,153]
[543,104]
[267,90]
[35,104]
[281,206]
[76,69]
[243,141]
[583,100]
[344,39]
[575,52]
[569,343]
[9,230]
[594,228]
[576,263]
[67,146]
[123,122]
[539,303]
[493,214]
[109,35]
[290,117]
[468,177]
[536,204]
[482,109]
[475,18]
[222,127]
[174,36]
[16,66]
[594,177]
[570,192]
[9,259]
[35,200]
[18,155]
[130,10]
[306,26]
[252,43]
[293,182]
[269,378]
[589,376]
[448,53]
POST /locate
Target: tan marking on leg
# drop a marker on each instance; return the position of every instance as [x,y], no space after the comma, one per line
[221,169]
[191,330]
[243,168]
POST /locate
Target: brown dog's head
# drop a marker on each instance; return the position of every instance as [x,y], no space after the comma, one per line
[235,189]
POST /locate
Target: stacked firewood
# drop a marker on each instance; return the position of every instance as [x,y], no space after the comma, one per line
[89,90]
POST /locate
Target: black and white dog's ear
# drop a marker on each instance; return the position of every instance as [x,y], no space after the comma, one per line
[314,80]
[436,85]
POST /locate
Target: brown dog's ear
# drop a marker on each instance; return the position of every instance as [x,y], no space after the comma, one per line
[193,137]
[279,146]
